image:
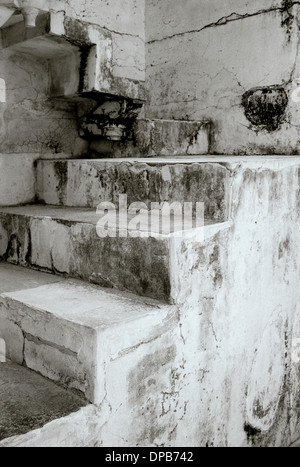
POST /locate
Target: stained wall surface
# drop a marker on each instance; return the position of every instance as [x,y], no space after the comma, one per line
[202,57]
[32,123]
[239,317]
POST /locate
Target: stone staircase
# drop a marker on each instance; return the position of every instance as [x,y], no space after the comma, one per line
[180,336]
[142,331]
[97,315]
[108,302]
[60,236]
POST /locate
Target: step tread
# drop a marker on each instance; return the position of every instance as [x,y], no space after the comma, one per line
[71,214]
[204,159]
[180,160]
[68,244]
[73,300]
[29,401]
[67,213]
[14,278]
[66,241]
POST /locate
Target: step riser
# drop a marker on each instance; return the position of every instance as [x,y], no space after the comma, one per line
[87,183]
[140,265]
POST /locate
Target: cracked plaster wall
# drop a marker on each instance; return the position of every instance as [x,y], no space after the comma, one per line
[32,123]
[201,57]
[125,21]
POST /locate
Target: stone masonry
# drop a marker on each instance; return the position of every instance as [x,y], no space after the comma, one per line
[187,337]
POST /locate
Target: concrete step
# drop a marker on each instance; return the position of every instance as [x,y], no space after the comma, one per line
[79,429]
[75,333]
[86,183]
[29,401]
[65,241]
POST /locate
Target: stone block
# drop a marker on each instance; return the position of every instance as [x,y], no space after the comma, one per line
[72,331]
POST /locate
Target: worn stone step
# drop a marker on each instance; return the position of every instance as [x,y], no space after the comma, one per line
[72,332]
[29,401]
[79,429]
[65,241]
[86,183]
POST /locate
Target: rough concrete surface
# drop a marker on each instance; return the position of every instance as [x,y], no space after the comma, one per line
[28,401]
[222,373]
[30,122]
[126,24]
[89,182]
[17,187]
[243,284]
[65,241]
[75,430]
[154,138]
[17,278]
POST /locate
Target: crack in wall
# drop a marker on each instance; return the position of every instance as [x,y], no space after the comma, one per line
[285,8]
[120,33]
